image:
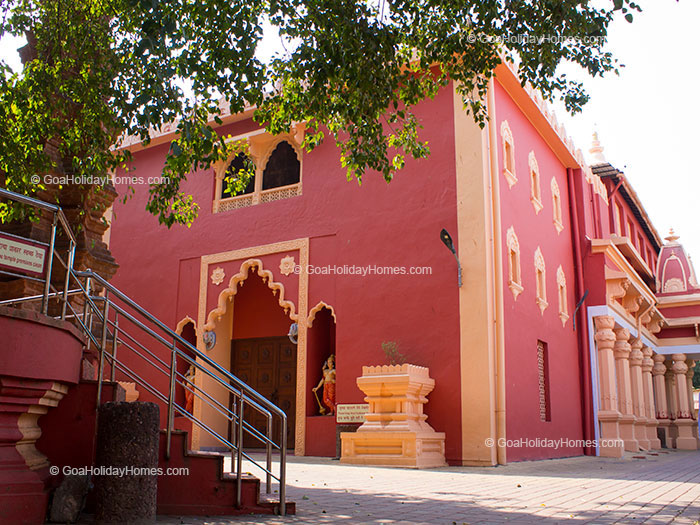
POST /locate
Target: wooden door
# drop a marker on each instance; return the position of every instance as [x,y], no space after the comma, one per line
[269,366]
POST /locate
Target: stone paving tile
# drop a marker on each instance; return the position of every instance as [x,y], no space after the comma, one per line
[658,489]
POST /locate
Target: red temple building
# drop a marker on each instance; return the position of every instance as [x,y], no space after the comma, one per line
[572,320]
[562,324]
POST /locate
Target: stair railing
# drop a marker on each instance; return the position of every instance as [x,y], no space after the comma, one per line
[129,339]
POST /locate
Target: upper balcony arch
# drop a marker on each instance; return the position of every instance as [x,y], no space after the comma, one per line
[278,166]
[281,165]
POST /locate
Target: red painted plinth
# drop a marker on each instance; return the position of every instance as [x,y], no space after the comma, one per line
[320,432]
[39,358]
[22,496]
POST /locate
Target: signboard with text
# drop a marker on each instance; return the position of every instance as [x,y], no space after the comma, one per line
[22,255]
[351,413]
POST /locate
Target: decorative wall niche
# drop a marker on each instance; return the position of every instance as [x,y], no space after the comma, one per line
[514,277]
[508,154]
[535,187]
[541,281]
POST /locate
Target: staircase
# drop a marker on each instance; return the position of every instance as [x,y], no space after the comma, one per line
[130,344]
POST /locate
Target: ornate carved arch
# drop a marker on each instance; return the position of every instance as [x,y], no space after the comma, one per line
[514,275]
[271,147]
[232,288]
[320,306]
[563,306]
[508,154]
[535,186]
[540,280]
[183,322]
[556,206]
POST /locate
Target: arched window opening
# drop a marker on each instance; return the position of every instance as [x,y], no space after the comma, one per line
[282,168]
[540,280]
[239,178]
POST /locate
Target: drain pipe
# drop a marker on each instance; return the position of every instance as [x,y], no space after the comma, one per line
[498,281]
[584,358]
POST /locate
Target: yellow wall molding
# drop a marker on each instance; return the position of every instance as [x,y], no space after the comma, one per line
[540,281]
[320,306]
[238,280]
[508,145]
[181,325]
[535,186]
[300,316]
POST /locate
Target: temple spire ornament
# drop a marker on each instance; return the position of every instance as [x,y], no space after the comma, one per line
[597,151]
[672,238]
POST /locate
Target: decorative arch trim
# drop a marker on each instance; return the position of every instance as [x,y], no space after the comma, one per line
[535,186]
[673,285]
[541,281]
[556,206]
[320,306]
[238,279]
[514,275]
[183,322]
[563,306]
[300,245]
[271,147]
[508,154]
[261,145]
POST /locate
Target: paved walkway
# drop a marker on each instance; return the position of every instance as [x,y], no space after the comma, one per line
[663,488]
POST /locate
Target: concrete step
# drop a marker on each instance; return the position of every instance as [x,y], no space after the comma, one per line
[206,489]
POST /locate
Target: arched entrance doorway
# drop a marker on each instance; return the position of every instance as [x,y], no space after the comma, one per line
[262,355]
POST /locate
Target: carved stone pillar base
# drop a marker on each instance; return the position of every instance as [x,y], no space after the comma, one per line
[627,422]
[685,439]
[640,433]
[611,446]
[654,441]
[395,432]
[672,434]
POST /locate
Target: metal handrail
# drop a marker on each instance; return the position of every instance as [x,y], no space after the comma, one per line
[103,319]
[25,199]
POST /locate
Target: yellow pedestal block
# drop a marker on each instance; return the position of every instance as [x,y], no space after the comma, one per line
[395,432]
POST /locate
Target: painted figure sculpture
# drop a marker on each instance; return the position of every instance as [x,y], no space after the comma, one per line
[328,383]
[189,390]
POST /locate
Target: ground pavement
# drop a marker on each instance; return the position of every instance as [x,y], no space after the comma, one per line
[663,488]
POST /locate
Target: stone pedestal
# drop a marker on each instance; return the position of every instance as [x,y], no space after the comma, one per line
[395,432]
[127,438]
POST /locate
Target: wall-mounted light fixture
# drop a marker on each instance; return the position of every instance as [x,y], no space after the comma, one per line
[447,240]
[293,332]
[209,339]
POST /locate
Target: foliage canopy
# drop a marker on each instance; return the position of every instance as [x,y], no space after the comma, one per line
[352,69]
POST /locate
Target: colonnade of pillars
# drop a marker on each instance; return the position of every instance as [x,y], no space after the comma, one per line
[646,399]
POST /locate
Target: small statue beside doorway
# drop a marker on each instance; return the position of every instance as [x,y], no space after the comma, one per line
[189,389]
[328,383]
